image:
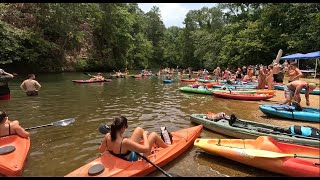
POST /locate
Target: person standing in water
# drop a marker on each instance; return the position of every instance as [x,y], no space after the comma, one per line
[4,88]
[30,86]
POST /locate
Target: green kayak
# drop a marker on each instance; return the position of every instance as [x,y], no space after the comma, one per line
[210,91]
[245,129]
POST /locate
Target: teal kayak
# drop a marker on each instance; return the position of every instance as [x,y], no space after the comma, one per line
[315,92]
[210,91]
[245,129]
[167,81]
[307,114]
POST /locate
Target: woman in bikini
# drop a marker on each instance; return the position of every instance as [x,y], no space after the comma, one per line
[9,128]
[270,77]
[262,78]
[126,148]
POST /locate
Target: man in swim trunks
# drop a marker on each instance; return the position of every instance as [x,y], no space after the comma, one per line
[292,91]
[30,86]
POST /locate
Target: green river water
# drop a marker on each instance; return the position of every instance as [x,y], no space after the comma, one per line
[146,102]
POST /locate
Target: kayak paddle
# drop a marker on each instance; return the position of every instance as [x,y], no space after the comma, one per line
[88,74]
[104,129]
[270,154]
[64,122]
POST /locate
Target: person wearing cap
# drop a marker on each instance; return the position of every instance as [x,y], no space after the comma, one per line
[30,86]
[292,91]
[4,87]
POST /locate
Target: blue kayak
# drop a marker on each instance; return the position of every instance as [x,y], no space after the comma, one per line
[315,92]
[168,81]
[288,112]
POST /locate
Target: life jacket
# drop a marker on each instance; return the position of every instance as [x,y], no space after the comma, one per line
[305,131]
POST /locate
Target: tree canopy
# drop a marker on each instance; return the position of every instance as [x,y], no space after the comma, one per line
[54,37]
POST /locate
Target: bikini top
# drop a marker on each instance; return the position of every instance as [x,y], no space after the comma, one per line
[122,156]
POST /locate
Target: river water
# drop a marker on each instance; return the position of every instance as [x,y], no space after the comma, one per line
[146,102]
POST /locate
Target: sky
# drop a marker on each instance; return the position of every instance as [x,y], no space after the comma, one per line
[173,14]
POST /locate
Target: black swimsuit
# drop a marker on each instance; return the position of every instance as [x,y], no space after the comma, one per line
[122,156]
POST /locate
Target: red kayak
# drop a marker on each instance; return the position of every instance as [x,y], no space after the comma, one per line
[91,81]
[189,80]
[5,97]
[247,97]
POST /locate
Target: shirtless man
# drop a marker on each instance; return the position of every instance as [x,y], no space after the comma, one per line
[294,72]
[216,74]
[13,127]
[30,86]
[292,91]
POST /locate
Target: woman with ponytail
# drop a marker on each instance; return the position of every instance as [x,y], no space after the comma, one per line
[126,148]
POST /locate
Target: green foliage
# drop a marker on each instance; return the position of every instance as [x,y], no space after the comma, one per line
[113,36]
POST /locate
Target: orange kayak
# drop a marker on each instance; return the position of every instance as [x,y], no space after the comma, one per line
[266,91]
[266,153]
[247,97]
[11,164]
[116,167]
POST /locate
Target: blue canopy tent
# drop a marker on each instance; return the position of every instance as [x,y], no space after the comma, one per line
[312,55]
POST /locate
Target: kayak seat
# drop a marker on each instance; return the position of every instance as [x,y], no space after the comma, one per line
[7,149]
[95,169]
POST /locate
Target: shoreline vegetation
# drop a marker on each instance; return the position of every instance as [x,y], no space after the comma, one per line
[63,37]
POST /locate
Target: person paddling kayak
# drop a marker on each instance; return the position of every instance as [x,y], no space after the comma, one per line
[126,148]
[30,86]
[98,77]
[9,128]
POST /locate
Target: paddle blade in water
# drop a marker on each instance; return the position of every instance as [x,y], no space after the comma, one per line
[64,122]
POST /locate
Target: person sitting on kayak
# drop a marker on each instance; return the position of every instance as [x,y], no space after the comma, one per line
[30,86]
[292,91]
[126,148]
[307,131]
[98,77]
[11,128]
